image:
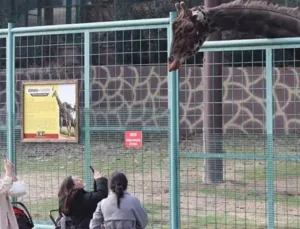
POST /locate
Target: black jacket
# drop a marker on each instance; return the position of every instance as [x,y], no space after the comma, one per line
[85,203]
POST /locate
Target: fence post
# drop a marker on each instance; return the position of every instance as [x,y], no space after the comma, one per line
[173,106]
[10,95]
[269,123]
[87,131]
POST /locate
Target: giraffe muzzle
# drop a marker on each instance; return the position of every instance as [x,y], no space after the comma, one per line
[174,65]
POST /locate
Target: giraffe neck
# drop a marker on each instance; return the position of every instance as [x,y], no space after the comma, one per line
[254,17]
[58,100]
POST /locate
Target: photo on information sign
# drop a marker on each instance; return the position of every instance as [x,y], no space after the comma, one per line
[50,111]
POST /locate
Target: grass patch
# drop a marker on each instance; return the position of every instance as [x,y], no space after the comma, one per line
[150,162]
[58,164]
[143,162]
[286,200]
[234,195]
[282,170]
[64,131]
[158,215]
[220,222]
[240,149]
[226,221]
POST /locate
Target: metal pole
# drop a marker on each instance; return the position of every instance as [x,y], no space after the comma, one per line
[173,105]
[269,123]
[69,6]
[87,131]
[212,112]
[10,95]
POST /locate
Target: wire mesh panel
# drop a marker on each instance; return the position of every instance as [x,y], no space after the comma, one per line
[128,84]
[223,109]
[286,107]
[129,94]
[43,165]
[229,177]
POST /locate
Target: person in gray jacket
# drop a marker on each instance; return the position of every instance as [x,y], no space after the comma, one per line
[120,210]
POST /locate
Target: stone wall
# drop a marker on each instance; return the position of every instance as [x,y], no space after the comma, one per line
[137,95]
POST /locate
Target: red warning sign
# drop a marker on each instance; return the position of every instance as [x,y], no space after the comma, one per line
[133,139]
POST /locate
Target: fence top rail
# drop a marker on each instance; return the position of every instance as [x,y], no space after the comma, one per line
[207,46]
[3,32]
[244,43]
[95,25]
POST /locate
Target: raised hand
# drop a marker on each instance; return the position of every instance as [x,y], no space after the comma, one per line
[9,168]
[97,175]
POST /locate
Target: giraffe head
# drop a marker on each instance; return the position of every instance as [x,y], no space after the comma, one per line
[190,30]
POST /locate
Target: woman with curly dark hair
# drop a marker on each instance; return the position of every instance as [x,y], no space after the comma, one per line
[79,204]
[120,209]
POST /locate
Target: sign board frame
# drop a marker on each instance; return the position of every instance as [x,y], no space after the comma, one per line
[40,135]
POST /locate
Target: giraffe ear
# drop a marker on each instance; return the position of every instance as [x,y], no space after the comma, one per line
[182,5]
[177,7]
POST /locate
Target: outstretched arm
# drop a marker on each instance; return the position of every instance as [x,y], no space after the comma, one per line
[100,192]
[91,199]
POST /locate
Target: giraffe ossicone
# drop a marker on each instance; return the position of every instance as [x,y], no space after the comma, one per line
[192,26]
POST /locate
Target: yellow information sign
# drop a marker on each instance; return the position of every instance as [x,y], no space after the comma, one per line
[50,111]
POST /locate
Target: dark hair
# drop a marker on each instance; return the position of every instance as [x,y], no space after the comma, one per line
[66,195]
[118,184]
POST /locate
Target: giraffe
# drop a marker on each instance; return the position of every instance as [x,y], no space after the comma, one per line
[192,26]
[72,113]
[64,114]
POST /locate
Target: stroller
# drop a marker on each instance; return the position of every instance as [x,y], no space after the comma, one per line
[61,222]
[23,217]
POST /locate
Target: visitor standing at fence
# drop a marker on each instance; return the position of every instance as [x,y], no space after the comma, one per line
[7,217]
[120,209]
[79,204]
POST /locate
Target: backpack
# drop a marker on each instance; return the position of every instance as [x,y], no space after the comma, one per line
[23,217]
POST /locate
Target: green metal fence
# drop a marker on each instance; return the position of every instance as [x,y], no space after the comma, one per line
[123,92]
[259,153]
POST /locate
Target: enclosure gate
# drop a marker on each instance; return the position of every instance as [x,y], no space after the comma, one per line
[176,211]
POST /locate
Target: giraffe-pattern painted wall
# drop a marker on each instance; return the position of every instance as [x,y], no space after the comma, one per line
[137,95]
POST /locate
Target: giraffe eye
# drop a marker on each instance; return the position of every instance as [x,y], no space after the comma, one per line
[189,28]
[171,58]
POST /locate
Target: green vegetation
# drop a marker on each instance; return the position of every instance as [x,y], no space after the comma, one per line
[282,170]
[231,204]
[65,131]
